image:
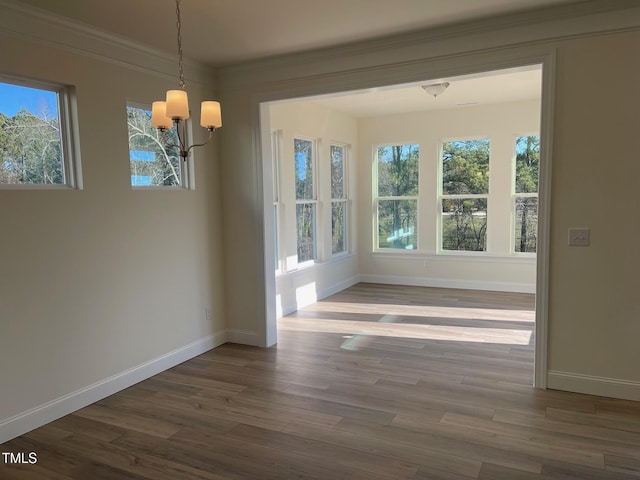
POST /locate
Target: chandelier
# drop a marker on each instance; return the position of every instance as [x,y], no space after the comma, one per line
[174,111]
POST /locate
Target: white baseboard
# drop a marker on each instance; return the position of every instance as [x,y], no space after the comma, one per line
[242,337]
[288,309]
[601,386]
[36,417]
[338,287]
[446,283]
[324,293]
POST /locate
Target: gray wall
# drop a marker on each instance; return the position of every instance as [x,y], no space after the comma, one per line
[99,281]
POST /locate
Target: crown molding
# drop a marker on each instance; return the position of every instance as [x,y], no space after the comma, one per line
[587,18]
[36,25]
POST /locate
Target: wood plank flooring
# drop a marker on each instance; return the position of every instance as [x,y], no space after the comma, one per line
[375,382]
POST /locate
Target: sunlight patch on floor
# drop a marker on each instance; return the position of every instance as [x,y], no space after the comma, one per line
[525,316]
[403,330]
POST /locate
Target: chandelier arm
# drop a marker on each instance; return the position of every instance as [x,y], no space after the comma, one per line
[211,130]
[182,140]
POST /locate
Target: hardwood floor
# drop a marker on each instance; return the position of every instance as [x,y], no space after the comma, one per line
[376,382]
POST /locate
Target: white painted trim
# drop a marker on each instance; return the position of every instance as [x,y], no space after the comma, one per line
[263,220]
[446,283]
[289,309]
[69,133]
[465,257]
[424,69]
[244,337]
[324,293]
[601,386]
[338,287]
[547,109]
[42,414]
[304,268]
[523,29]
[43,27]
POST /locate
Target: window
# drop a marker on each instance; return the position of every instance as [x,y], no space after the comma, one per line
[305,199]
[465,191]
[397,196]
[338,200]
[526,194]
[36,136]
[154,163]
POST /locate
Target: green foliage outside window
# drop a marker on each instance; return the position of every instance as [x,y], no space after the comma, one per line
[305,195]
[526,183]
[397,224]
[465,176]
[397,196]
[338,201]
[398,170]
[465,167]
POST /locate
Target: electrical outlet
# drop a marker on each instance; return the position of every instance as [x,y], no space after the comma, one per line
[579,237]
[207,314]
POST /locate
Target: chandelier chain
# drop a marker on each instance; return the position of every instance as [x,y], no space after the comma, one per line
[180,62]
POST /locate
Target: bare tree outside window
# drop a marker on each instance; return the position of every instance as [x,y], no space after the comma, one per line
[152,161]
[30,137]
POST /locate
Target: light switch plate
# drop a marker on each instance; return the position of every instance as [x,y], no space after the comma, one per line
[579,237]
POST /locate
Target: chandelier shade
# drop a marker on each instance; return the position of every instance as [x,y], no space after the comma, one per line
[210,114]
[177,105]
[159,117]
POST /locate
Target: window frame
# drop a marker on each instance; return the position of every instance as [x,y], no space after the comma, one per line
[276,154]
[345,195]
[472,196]
[378,198]
[187,180]
[69,136]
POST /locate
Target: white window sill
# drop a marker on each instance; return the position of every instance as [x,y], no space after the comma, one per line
[311,264]
[480,257]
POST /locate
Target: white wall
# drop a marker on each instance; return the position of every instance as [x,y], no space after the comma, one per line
[103,286]
[301,285]
[497,268]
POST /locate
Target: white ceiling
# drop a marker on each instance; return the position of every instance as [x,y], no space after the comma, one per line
[221,32]
[480,89]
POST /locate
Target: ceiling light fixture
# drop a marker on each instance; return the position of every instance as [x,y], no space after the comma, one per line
[436,89]
[175,109]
